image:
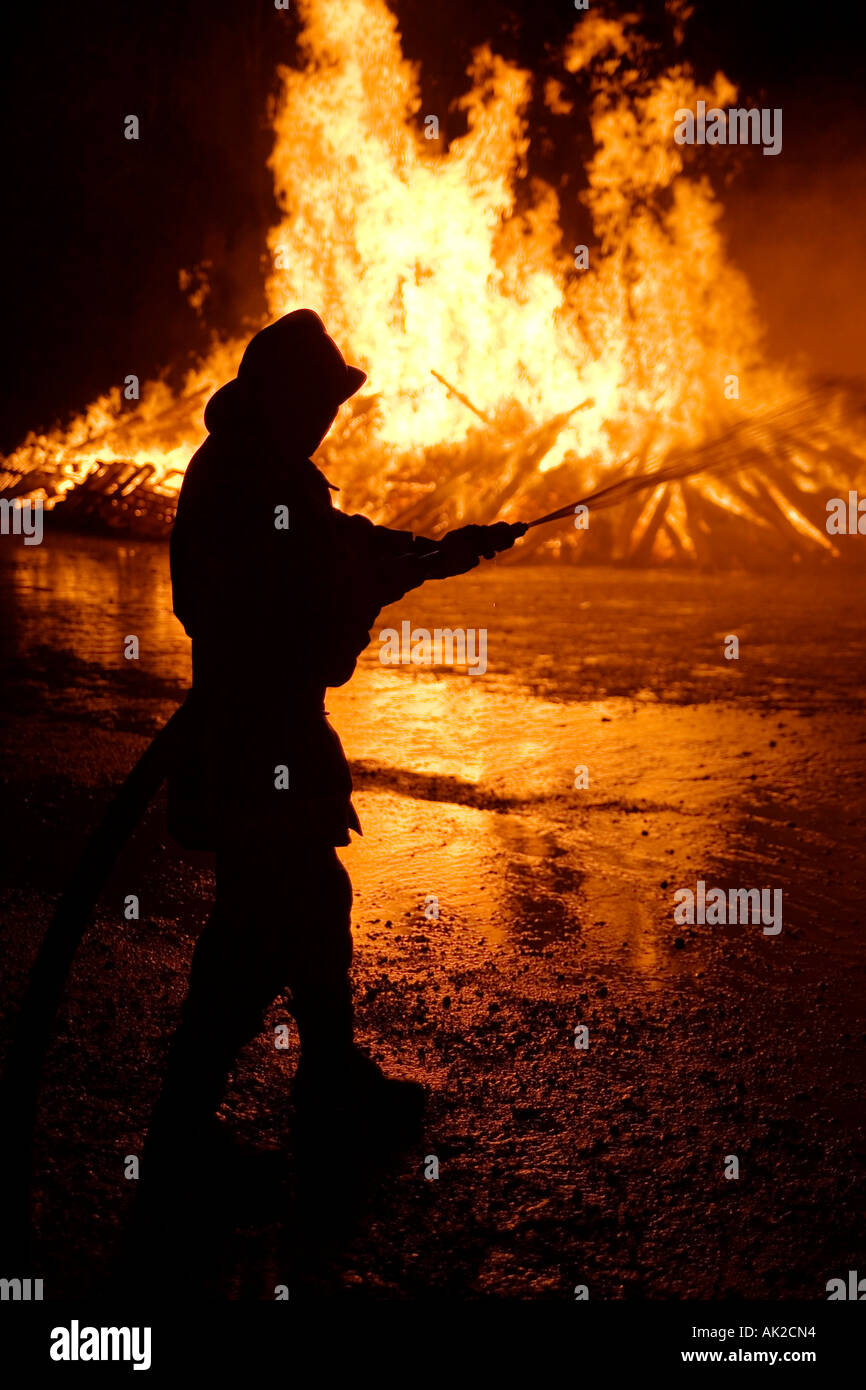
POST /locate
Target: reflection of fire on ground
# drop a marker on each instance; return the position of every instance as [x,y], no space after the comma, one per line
[550,378]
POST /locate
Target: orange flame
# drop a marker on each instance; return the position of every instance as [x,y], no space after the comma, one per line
[417,258]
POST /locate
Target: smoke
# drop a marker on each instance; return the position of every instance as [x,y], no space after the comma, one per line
[797,233]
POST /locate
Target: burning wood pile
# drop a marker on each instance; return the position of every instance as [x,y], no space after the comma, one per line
[510,376]
[762,489]
[121,497]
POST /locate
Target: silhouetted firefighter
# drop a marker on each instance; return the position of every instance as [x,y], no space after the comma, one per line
[278,591]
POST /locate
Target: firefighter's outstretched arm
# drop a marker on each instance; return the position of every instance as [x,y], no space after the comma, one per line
[457,552]
[382,579]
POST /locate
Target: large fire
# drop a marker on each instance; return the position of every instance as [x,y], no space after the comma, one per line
[504,376]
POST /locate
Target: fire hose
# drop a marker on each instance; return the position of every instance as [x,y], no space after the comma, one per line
[20,1089]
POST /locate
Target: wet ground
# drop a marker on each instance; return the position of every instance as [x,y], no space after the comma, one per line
[558,1166]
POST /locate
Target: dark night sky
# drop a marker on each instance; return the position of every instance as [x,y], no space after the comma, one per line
[97,226]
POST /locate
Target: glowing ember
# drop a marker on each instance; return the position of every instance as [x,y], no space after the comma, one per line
[419,260]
